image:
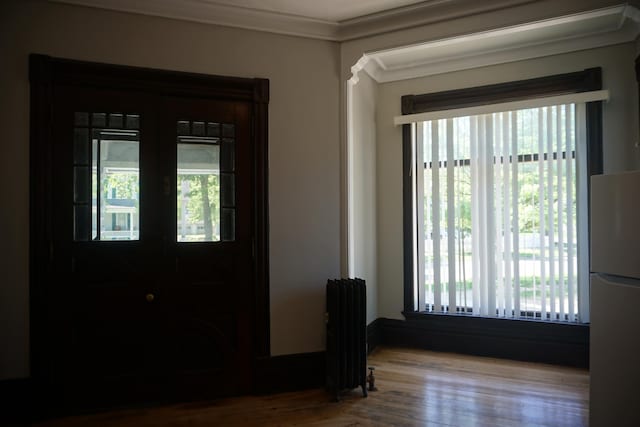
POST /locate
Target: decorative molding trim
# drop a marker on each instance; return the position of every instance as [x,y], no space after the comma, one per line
[357,67]
[527,340]
[425,12]
[220,14]
[632,13]
[587,30]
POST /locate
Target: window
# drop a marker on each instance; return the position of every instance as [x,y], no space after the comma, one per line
[497,210]
[206,181]
[106,176]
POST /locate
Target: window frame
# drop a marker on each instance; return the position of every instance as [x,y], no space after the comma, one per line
[558,84]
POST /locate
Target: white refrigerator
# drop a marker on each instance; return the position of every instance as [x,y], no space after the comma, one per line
[615,300]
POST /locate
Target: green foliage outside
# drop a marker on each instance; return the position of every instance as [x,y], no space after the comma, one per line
[126,186]
[203,202]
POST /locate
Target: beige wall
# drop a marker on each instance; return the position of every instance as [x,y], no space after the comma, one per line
[364,184]
[304,153]
[620,134]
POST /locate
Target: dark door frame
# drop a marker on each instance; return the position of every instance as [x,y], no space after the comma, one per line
[45,73]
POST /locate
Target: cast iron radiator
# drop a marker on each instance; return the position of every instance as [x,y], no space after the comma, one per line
[346,335]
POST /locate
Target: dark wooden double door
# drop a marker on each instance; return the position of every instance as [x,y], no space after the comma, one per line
[150,291]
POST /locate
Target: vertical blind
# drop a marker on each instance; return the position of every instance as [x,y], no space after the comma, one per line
[501,206]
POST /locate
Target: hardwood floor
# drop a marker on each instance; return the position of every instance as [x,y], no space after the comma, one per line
[415,387]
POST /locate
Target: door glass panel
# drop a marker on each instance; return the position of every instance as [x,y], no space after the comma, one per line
[213,129]
[94,189]
[81,146]
[80,223]
[106,192]
[198,193]
[227,155]
[116,121]
[227,197]
[228,229]
[133,121]
[81,185]
[99,120]
[205,184]
[198,128]
[118,184]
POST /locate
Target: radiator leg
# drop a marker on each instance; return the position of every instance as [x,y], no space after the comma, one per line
[365,393]
[371,380]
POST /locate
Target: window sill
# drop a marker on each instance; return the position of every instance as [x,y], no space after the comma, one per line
[421,314]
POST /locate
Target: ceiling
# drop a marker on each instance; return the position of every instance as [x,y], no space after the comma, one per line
[325,10]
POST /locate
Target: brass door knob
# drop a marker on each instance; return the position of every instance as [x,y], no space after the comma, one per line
[150,297]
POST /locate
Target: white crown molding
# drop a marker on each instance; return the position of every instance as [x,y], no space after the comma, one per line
[599,28]
[209,12]
[221,14]
[427,12]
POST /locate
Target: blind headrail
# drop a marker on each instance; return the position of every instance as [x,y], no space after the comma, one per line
[572,98]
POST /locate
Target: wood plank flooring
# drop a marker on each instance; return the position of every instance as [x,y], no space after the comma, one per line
[415,388]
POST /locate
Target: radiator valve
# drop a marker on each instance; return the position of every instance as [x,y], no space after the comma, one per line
[371,379]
